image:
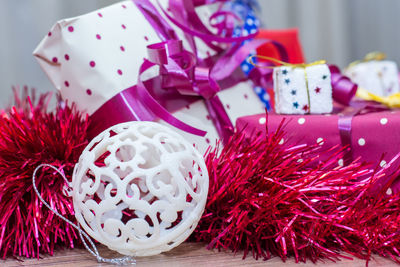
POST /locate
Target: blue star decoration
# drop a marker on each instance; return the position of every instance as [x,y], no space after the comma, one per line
[293,92]
[296,105]
[245,9]
[287,81]
[251,24]
[324,77]
[264,96]
[285,71]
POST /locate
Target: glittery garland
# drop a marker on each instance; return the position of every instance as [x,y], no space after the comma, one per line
[269,200]
[31,135]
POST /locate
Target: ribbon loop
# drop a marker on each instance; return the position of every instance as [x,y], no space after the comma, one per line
[283,63]
[343,89]
[180,72]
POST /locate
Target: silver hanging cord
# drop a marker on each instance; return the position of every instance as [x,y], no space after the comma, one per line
[126,260]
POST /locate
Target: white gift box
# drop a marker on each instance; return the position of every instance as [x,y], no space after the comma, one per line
[379,77]
[300,90]
[93,57]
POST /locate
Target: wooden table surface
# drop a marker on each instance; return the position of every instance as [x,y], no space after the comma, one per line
[187,254]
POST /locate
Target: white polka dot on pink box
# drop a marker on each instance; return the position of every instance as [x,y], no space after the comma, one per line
[92,58]
[374,136]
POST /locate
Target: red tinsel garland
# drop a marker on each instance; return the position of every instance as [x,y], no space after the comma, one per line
[30,135]
[265,199]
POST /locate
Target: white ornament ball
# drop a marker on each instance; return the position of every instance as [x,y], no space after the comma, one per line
[139,188]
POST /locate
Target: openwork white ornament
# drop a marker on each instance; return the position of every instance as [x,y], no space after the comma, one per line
[139,188]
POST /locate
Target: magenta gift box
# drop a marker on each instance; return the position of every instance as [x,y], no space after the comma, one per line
[375,136]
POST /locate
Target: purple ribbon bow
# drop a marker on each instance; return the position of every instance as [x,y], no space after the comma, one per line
[179,71]
[184,78]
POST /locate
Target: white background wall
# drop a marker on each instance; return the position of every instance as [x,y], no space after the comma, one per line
[339,31]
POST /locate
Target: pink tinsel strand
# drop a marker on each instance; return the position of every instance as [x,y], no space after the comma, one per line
[31,135]
[268,199]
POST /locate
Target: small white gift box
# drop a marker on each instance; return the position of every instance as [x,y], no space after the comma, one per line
[379,77]
[303,90]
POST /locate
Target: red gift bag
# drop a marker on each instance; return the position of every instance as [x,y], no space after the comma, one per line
[289,38]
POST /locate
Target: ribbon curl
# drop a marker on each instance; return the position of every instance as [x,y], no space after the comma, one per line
[179,71]
[343,89]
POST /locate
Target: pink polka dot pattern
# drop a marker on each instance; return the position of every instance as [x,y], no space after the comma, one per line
[123,26]
[66,83]
[92,64]
[123,6]
[119,72]
[146,38]
[70,29]
[98,36]
[122,48]
[208,117]
[49,34]
[88,91]
[228,106]
[100,15]
[245,96]
[55,60]
[207,140]
[66,56]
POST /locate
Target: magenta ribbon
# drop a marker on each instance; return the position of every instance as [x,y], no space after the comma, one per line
[184,78]
[343,88]
[161,26]
[179,71]
[343,91]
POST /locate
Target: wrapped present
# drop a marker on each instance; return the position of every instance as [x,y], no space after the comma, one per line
[109,43]
[139,61]
[376,75]
[303,90]
[370,132]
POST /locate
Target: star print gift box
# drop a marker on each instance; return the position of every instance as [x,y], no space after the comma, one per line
[97,61]
[373,136]
[302,89]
